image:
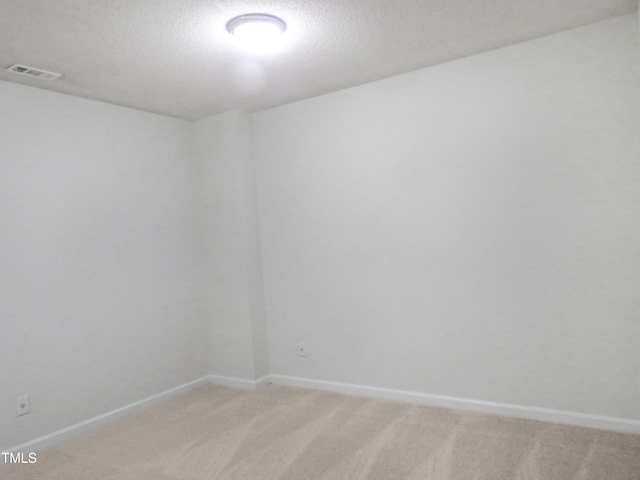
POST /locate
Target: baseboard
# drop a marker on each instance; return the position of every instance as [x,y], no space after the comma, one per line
[263,382]
[240,382]
[55,438]
[493,408]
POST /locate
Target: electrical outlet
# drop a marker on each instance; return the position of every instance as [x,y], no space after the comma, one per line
[23,407]
[302,350]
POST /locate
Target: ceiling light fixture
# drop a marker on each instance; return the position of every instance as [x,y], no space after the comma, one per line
[257,32]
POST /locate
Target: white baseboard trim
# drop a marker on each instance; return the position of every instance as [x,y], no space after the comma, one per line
[55,438]
[263,382]
[51,440]
[493,408]
[240,383]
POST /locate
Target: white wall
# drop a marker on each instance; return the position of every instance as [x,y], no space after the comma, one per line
[99,259]
[472,229]
[234,312]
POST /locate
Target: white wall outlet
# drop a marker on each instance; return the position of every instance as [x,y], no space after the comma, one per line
[23,407]
[302,350]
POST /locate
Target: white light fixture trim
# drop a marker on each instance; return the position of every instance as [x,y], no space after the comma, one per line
[257,32]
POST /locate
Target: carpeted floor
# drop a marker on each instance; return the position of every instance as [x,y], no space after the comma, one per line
[286,433]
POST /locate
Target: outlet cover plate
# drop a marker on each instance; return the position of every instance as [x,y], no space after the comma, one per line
[23,407]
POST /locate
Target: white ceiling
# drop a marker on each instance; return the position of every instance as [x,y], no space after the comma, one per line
[175,57]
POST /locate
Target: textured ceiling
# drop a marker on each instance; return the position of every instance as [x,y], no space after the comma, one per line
[176,58]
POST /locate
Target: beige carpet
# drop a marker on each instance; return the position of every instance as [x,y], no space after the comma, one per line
[287,433]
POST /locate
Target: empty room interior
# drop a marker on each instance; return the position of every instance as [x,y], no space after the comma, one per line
[390,240]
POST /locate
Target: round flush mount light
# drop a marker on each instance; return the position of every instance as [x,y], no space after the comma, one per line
[257,32]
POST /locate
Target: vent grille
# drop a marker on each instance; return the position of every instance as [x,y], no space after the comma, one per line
[33,72]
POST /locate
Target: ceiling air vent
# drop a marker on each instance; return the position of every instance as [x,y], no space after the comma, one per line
[33,72]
